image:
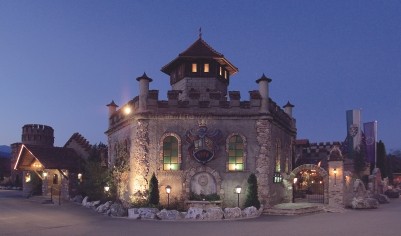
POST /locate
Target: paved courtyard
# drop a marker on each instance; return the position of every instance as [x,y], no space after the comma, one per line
[21,216]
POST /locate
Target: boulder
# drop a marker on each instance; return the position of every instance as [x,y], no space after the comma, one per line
[84,201]
[102,208]
[169,215]
[195,213]
[77,198]
[392,193]
[381,198]
[250,212]
[364,203]
[214,213]
[117,209]
[232,213]
[148,213]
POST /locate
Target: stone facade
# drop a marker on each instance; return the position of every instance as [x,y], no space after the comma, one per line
[205,126]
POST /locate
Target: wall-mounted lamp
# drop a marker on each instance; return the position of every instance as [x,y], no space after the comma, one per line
[238,191]
[127,110]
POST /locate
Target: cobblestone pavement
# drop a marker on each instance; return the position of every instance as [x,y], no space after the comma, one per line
[21,216]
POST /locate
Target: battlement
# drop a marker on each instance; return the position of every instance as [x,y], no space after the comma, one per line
[37,134]
[216,104]
[322,147]
[80,140]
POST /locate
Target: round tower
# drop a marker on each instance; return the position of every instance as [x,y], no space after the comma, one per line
[35,134]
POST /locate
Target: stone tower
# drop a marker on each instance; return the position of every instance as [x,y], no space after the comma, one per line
[34,134]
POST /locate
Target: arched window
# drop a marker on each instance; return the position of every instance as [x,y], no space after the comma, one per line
[171,159]
[278,158]
[236,153]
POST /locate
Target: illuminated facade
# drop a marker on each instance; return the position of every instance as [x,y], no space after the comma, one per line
[204,140]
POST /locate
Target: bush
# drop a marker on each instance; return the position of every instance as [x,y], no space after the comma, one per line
[252,198]
[154,196]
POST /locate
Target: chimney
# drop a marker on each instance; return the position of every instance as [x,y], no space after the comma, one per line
[144,81]
[288,108]
[264,93]
[112,108]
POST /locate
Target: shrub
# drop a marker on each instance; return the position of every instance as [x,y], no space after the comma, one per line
[252,193]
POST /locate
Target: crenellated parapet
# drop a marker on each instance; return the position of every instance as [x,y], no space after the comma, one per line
[36,134]
[215,104]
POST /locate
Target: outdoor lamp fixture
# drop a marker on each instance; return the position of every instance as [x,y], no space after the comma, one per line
[238,191]
[44,174]
[335,176]
[127,110]
[106,188]
[295,180]
[79,176]
[168,191]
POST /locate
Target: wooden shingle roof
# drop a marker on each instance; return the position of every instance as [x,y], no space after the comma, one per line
[49,157]
[200,49]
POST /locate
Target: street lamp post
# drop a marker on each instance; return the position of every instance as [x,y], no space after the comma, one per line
[168,191]
[238,191]
[335,176]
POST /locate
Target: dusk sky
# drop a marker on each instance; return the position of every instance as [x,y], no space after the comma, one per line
[61,62]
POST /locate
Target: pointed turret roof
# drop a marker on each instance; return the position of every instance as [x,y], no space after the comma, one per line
[200,49]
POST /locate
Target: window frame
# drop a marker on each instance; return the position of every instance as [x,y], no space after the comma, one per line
[244,153]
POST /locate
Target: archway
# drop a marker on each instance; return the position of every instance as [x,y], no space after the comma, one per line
[310,184]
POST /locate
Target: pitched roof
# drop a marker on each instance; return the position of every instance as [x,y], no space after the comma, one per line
[200,49]
[49,157]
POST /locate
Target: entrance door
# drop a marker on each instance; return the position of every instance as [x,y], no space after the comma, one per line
[308,187]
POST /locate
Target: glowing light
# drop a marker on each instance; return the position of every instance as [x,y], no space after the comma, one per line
[238,189]
[80,176]
[168,189]
[44,174]
[295,180]
[106,188]
[127,110]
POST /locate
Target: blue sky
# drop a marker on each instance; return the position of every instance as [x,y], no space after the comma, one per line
[61,62]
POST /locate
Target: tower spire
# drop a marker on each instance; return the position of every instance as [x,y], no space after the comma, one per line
[200,32]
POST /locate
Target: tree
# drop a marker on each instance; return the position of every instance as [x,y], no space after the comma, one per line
[95,176]
[252,193]
[154,196]
[381,161]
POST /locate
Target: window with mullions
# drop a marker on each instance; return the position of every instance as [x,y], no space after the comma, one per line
[236,153]
[170,154]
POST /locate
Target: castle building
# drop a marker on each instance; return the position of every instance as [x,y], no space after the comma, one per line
[204,140]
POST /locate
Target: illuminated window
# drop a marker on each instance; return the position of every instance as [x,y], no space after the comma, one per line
[235,153]
[225,74]
[221,71]
[278,153]
[170,154]
[206,68]
[194,67]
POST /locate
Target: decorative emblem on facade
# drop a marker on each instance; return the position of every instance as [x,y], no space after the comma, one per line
[353,130]
[203,143]
[202,180]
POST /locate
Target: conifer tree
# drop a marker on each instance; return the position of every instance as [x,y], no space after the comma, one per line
[154,196]
[252,193]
